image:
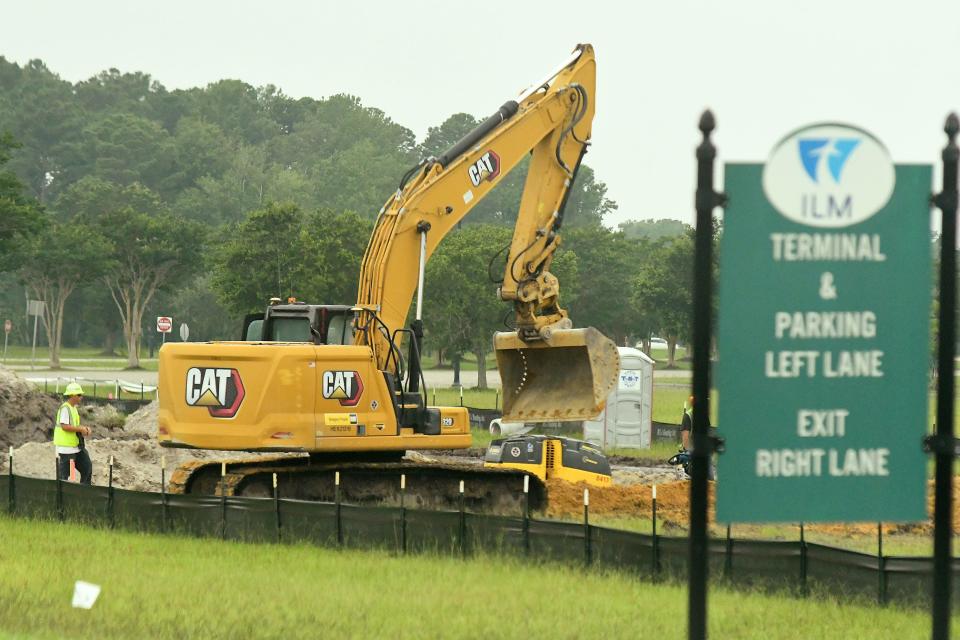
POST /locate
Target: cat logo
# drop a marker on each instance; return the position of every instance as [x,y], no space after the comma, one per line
[487,167]
[219,390]
[345,386]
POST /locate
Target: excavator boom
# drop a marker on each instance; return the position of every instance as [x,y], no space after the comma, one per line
[553,372]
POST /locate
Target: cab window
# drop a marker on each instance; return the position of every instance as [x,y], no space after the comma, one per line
[290,330]
[339,329]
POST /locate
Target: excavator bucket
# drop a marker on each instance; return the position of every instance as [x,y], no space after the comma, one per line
[567,376]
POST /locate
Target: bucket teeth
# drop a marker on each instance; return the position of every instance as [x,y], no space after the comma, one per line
[567,379]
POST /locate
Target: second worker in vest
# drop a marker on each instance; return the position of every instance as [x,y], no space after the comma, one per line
[68,436]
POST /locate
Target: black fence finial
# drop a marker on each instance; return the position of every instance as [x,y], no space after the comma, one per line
[707,123]
[952,126]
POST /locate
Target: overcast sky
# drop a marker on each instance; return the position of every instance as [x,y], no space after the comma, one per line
[764,66]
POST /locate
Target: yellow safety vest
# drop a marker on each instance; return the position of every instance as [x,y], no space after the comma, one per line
[63,438]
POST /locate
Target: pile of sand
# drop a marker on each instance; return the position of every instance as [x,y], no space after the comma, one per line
[26,414]
[133,445]
[636,500]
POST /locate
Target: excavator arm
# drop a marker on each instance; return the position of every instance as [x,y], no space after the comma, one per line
[549,370]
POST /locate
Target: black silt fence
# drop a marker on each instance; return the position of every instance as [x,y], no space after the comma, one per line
[794,566]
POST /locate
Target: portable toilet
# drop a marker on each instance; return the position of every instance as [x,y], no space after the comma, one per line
[627,418]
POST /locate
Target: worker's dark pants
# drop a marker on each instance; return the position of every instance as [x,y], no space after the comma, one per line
[82,462]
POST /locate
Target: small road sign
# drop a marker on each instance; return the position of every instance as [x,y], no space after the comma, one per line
[164,324]
[7,326]
[184,332]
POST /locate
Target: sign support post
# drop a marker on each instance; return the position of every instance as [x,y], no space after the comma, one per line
[34,308]
[706,201]
[942,444]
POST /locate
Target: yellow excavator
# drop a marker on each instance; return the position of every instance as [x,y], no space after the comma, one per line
[332,381]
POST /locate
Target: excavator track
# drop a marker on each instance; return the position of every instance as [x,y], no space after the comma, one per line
[429,485]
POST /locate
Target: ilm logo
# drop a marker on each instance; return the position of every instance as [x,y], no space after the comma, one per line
[345,386]
[487,167]
[219,390]
[833,152]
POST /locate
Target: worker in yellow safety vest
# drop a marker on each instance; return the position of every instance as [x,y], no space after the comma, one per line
[68,436]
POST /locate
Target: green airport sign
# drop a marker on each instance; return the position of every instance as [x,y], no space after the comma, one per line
[823,336]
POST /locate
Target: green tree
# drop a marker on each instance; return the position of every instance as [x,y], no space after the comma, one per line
[41,109]
[151,249]
[90,196]
[19,215]
[113,91]
[607,262]
[261,258]
[653,229]
[281,251]
[52,264]
[124,148]
[337,242]
[195,303]
[237,108]
[199,149]
[664,284]
[461,307]
[229,197]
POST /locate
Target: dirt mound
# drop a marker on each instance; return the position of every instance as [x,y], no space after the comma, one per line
[132,444]
[26,414]
[634,500]
[143,422]
[136,462]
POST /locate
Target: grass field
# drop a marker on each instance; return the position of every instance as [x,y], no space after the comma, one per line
[170,587]
[76,358]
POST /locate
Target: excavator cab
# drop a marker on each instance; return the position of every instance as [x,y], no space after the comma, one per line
[300,322]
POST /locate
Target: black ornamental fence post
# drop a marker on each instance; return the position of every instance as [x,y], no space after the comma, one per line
[110,519]
[403,513]
[803,562]
[655,546]
[942,444]
[881,568]
[707,199]
[587,542]
[728,556]
[59,488]
[11,495]
[526,515]
[462,537]
[276,508]
[223,500]
[163,491]
[336,500]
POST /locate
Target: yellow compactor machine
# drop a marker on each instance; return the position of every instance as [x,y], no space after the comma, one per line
[343,383]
